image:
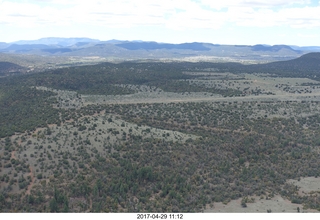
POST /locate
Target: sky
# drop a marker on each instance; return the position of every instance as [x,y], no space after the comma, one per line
[236,22]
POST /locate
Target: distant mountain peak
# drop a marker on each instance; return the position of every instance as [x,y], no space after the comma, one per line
[274,48]
[57,41]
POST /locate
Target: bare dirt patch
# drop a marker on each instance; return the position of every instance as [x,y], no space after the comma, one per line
[276,204]
[13,155]
[307,184]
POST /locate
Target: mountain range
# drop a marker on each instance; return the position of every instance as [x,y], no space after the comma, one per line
[152,50]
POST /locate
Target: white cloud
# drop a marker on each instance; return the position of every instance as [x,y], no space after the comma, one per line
[252,3]
[292,17]
[308,35]
[173,14]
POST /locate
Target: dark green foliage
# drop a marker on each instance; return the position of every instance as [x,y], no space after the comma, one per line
[82,128]
[53,205]
[101,79]
[305,66]
[2,199]
[7,68]
[184,86]
[59,202]
[24,109]
[243,203]
[23,183]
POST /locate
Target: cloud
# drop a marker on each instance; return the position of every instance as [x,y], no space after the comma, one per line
[292,17]
[252,3]
[308,35]
[173,14]
[193,16]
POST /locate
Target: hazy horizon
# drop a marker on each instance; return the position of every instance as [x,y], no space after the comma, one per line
[137,40]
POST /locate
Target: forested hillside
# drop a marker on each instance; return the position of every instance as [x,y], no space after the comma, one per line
[158,137]
[7,68]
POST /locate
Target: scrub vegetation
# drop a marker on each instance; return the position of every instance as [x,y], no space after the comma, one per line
[158,137]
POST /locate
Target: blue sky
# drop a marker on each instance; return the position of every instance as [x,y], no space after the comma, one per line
[249,22]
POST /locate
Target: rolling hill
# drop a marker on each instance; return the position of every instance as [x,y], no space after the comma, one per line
[7,68]
[308,65]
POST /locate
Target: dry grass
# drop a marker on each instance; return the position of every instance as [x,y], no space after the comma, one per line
[276,204]
[307,185]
